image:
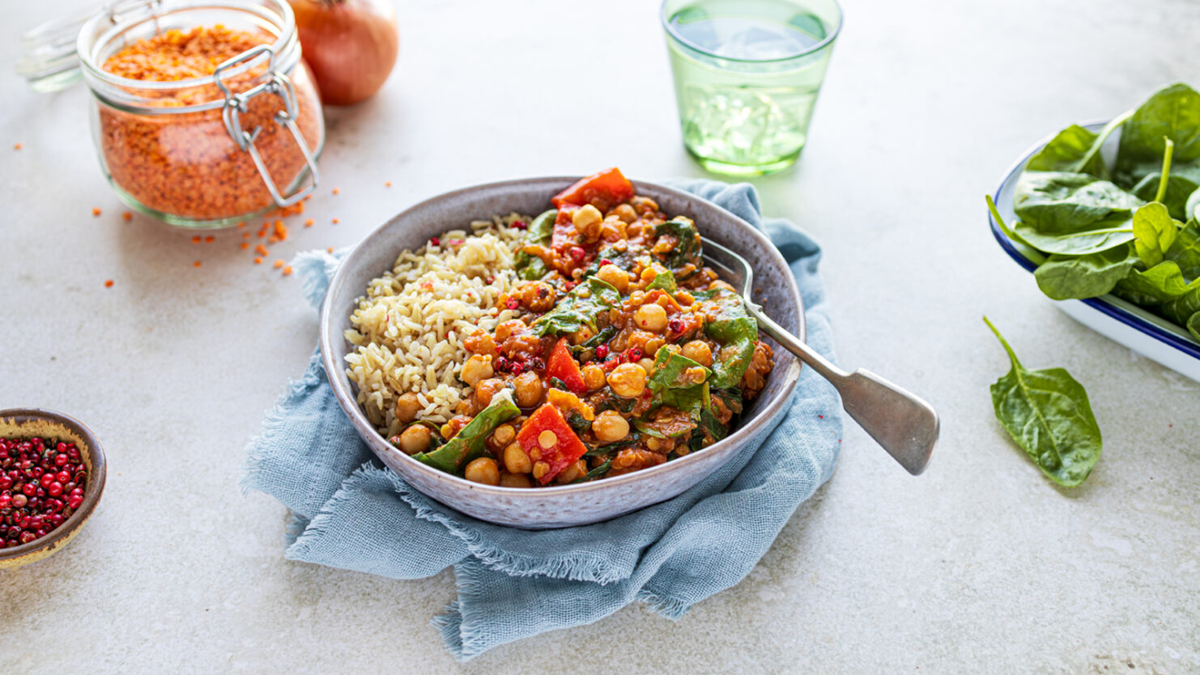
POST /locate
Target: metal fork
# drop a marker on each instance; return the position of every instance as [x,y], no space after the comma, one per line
[905,425]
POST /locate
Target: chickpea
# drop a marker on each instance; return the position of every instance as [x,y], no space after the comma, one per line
[610,427]
[587,222]
[507,328]
[651,273]
[416,439]
[647,364]
[695,375]
[476,369]
[684,298]
[515,480]
[407,407]
[483,470]
[648,317]
[644,205]
[720,284]
[625,212]
[480,343]
[627,380]
[615,277]
[540,469]
[515,459]
[503,435]
[528,389]
[484,391]
[572,473]
[582,335]
[698,351]
[593,377]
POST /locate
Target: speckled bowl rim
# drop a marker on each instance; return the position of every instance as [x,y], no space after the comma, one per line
[345,396]
[97,475]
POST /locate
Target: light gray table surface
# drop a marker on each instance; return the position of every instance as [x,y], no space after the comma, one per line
[980,565]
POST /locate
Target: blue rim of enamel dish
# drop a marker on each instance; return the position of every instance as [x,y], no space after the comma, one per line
[1100,304]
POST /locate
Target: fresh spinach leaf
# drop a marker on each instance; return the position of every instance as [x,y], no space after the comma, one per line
[468,443]
[1063,277]
[1072,213]
[1154,232]
[1155,286]
[1048,414]
[1193,325]
[579,308]
[735,330]
[671,385]
[530,267]
[1182,310]
[1074,150]
[597,472]
[1185,252]
[1172,113]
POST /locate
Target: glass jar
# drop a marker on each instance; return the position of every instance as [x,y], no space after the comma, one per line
[206,151]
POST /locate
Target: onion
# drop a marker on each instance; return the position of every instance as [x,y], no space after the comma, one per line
[350,45]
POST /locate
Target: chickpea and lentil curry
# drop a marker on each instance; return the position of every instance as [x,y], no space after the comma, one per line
[623,351]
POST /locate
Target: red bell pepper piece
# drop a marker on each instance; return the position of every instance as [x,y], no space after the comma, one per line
[565,448]
[603,190]
[564,236]
[563,366]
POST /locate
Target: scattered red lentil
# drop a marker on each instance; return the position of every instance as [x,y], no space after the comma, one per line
[308,223]
[17,146]
[213,178]
[261,250]
[329,250]
[196,264]
[272,239]
[128,215]
[258,261]
[244,245]
[278,264]
[242,224]
[245,235]
[196,240]
[335,221]
[336,190]
[95,210]
[287,271]
[388,184]
[42,483]
[108,284]
[209,239]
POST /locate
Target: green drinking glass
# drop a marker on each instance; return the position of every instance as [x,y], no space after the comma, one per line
[747,74]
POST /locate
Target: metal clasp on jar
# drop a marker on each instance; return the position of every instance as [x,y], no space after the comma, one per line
[235,105]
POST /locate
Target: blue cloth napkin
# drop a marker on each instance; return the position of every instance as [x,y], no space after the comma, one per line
[352,513]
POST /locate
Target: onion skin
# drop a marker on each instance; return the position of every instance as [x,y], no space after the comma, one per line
[350,45]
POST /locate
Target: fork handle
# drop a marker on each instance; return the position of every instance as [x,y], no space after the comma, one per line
[902,423]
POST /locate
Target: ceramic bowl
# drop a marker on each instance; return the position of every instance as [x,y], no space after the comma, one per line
[563,505]
[28,423]
[1145,333]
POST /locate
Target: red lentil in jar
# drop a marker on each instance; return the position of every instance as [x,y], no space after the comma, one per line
[169,149]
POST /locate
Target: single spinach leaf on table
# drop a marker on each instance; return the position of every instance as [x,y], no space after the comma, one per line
[1063,277]
[735,330]
[468,443]
[579,308]
[1048,414]
[1072,213]
[1154,231]
[530,267]
[1170,114]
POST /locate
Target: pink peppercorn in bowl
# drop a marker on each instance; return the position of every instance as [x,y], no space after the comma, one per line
[38,448]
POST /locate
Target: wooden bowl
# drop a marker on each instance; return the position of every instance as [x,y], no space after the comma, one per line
[28,423]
